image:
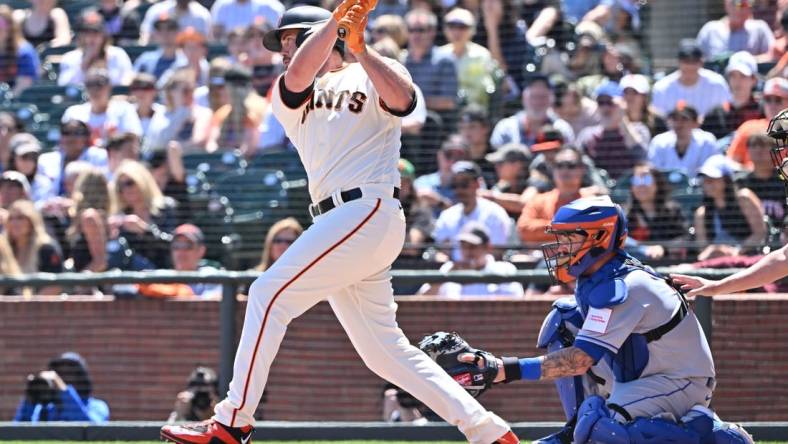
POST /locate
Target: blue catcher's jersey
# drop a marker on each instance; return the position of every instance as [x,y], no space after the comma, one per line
[620,303]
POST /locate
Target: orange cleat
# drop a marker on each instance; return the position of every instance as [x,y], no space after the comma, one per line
[207,432]
[508,438]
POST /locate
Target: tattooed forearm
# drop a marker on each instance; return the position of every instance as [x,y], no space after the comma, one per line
[566,362]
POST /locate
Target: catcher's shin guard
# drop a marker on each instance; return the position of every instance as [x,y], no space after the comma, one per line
[206,432]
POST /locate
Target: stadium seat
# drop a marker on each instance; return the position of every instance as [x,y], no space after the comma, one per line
[134,51]
[216,50]
[280,159]
[210,166]
[54,51]
[620,192]
[43,95]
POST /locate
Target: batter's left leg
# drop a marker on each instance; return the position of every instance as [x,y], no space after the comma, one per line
[367,312]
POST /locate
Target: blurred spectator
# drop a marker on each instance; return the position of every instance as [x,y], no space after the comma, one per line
[195,50]
[167,169]
[779,46]
[189,13]
[182,120]
[395,8]
[44,23]
[539,211]
[159,60]
[120,147]
[25,160]
[257,54]
[432,71]
[697,86]
[236,124]
[19,63]
[511,191]
[236,46]
[611,69]
[197,401]
[729,218]
[474,63]
[103,115]
[589,42]
[214,95]
[13,187]
[435,188]
[280,236]
[763,180]
[469,207]
[524,126]
[653,216]
[144,218]
[122,24]
[143,93]
[576,11]
[541,17]
[476,255]
[742,75]
[736,31]
[231,14]
[616,143]
[574,108]
[474,127]
[94,51]
[419,221]
[774,99]
[63,392]
[685,147]
[392,26]
[35,251]
[87,236]
[638,109]
[57,210]
[188,250]
[8,264]
[503,33]
[8,129]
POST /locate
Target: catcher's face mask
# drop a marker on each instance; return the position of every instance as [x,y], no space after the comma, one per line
[567,250]
[778,130]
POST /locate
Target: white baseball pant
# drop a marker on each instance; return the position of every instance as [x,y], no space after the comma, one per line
[347,254]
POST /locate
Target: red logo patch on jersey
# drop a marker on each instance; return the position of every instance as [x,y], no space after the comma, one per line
[463,379]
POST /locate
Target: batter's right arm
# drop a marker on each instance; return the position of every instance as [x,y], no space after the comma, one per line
[769,269]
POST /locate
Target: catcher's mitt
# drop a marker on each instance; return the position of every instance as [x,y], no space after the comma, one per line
[444,348]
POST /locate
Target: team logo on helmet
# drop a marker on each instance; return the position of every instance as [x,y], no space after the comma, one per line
[585,230]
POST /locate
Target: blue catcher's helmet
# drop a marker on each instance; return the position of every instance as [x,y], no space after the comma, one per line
[603,226]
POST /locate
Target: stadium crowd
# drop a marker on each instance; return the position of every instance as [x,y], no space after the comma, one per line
[125,125]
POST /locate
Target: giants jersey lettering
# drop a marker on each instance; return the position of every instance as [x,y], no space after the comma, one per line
[344,135]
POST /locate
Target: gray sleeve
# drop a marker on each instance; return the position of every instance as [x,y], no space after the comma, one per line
[609,327]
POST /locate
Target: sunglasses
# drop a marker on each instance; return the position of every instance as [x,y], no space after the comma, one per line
[29,156]
[419,30]
[181,246]
[460,184]
[126,184]
[604,102]
[95,85]
[773,99]
[142,87]
[457,26]
[282,240]
[567,165]
[76,133]
[642,181]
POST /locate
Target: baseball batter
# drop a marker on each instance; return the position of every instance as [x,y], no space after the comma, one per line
[344,119]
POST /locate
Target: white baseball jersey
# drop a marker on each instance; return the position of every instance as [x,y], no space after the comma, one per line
[361,143]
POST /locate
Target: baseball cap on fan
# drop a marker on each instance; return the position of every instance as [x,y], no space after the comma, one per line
[743,62]
[474,234]
[189,231]
[637,82]
[776,86]
[716,167]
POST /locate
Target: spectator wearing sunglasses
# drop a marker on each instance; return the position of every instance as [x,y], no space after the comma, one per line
[774,99]
[435,188]
[188,250]
[653,216]
[537,213]
[736,31]
[465,182]
[616,143]
[281,235]
[685,147]
[159,60]
[434,73]
[75,145]
[25,160]
[103,115]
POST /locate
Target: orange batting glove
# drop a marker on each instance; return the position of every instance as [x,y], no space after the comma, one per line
[355,22]
[342,8]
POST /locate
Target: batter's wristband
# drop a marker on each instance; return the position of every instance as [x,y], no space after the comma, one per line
[511,367]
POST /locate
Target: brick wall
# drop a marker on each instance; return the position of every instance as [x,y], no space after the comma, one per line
[140,353]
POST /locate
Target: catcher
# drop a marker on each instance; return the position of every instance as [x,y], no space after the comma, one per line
[629,358]
[774,266]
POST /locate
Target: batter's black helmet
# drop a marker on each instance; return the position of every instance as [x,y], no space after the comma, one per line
[300,17]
